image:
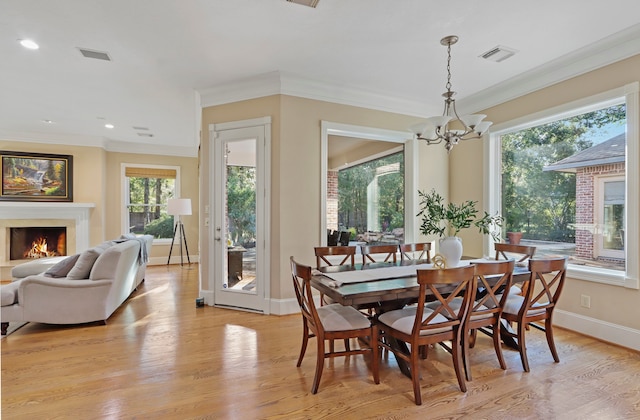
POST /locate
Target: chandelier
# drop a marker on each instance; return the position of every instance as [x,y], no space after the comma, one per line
[438,129]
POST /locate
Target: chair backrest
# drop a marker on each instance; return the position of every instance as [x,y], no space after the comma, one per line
[301,275]
[322,252]
[507,251]
[421,251]
[443,286]
[494,279]
[345,235]
[378,253]
[545,284]
[332,237]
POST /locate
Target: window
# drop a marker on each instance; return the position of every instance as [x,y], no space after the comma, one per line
[567,179]
[146,191]
[371,197]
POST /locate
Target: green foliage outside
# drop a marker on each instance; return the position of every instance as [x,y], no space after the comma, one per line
[160,228]
[241,205]
[148,199]
[542,205]
[352,194]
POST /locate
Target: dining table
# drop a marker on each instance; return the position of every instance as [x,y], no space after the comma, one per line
[387,286]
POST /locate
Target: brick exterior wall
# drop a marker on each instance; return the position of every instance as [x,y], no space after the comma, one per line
[585,205]
[332,200]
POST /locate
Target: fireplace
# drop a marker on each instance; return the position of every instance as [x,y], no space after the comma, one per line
[73,217]
[37,242]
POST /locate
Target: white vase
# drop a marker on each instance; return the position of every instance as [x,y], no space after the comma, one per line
[450,247]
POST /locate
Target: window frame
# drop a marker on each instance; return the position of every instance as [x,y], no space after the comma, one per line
[125,193]
[598,196]
[628,94]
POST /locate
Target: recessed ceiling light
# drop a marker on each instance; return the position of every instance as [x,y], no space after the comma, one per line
[27,43]
[109,126]
[47,121]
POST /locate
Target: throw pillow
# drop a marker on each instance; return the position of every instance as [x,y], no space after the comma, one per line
[85,262]
[63,267]
[128,236]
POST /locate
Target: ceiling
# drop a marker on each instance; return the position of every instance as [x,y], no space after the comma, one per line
[170,58]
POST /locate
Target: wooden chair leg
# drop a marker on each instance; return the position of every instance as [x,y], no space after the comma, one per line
[305,340]
[456,348]
[319,365]
[497,345]
[375,355]
[415,376]
[465,344]
[548,330]
[522,346]
[472,338]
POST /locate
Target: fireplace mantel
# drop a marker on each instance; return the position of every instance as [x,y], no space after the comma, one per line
[77,214]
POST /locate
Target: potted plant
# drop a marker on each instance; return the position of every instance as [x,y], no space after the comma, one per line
[447,221]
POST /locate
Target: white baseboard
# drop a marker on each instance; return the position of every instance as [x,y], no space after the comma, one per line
[606,331]
[174,260]
[284,306]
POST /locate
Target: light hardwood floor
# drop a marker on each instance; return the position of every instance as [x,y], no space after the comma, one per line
[161,357]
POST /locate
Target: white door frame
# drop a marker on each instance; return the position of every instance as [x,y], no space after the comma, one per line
[263,217]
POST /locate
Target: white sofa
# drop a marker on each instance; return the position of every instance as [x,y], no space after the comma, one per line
[116,272]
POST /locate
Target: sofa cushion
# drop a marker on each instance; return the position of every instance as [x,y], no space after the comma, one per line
[9,293]
[62,268]
[85,262]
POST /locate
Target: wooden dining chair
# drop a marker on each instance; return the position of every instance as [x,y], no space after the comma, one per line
[379,253]
[537,304]
[419,326]
[323,252]
[521,253]
[330,322]
[493,279]
[413,252]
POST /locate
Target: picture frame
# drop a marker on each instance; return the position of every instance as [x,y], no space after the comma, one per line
[36,177]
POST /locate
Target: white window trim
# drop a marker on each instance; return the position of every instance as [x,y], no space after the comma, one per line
[630,94]
[598,207]
[124,217]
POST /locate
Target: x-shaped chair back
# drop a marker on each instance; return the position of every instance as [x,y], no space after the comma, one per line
[421,251]
[494,281]
[506,251]
[547,279]
[388,252]
[443,287]
[322,252]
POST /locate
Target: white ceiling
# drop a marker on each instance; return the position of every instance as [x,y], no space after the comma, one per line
[171,57]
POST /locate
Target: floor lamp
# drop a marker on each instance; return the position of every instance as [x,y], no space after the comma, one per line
[179,207]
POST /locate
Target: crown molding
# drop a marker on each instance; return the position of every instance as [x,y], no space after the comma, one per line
[283,83]
[619,46]
[53,138]
[614,48]
[101,142]
[151,149]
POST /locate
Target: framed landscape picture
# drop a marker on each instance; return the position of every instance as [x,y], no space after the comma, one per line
[36,177]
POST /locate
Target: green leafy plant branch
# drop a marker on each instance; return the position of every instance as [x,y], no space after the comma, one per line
[440,219]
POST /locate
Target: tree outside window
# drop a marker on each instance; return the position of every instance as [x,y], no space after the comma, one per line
[149,190]
[540,193]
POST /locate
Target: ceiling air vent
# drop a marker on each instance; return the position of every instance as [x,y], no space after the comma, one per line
[310,3]
[98,55]
[499,53]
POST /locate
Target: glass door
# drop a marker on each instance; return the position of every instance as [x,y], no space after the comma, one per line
[238,228]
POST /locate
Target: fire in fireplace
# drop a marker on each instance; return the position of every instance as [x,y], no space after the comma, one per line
[37,242]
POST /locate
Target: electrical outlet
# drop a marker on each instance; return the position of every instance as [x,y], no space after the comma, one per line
[585,301]
[206,221]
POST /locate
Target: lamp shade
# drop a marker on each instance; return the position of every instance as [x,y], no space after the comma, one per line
[179,206]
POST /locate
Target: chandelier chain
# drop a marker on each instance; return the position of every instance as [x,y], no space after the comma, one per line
[448,85]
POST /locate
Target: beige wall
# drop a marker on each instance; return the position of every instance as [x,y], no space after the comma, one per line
[465,183]
[97,179]
[89,177]
[295,175]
